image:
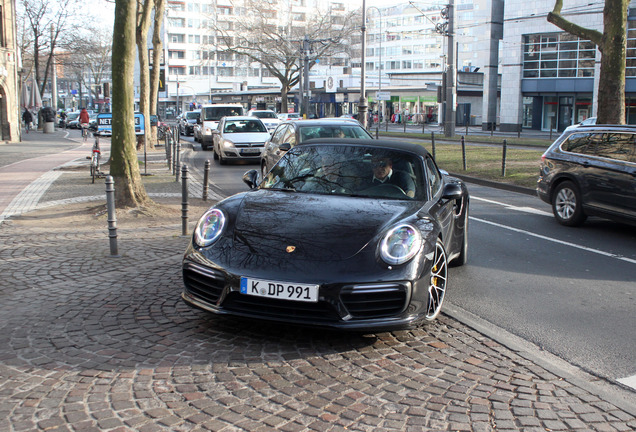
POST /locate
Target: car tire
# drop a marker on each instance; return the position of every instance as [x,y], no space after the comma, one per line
[566,204]
[221,160]
[437,282]
[264,170]
[215,155]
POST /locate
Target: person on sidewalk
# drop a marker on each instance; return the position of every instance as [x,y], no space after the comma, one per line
[27,117]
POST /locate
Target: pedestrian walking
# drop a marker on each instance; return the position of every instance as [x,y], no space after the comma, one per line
[27,117]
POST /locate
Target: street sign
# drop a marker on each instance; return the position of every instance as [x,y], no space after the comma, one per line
[383,95]
[104,124]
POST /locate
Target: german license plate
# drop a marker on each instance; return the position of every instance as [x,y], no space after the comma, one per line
[279,290]
[250,151]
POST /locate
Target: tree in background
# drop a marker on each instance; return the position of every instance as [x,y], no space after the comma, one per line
[157,49]
[612,43]
[124,167]
[262,36]
[88,56]
[46,25]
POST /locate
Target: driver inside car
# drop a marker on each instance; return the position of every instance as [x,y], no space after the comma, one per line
[383,173]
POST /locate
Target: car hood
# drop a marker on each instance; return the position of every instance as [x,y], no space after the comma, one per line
[247,137]
[316,227]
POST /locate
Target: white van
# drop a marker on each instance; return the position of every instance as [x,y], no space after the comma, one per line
[210,116]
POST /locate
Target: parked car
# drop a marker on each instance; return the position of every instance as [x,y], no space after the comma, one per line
[210,117]
[269,118]
[289,116]
[72,120]
[587,122]
[591,170]
[315,243]
[239,137]
[290,133]
[187,121]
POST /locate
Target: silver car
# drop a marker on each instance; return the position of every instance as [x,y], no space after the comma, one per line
[239,137]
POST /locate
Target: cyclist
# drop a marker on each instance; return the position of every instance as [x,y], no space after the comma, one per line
[84,119]
[27,117]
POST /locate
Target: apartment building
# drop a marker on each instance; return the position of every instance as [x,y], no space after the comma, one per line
[549,77]
[197,68]
[10,113]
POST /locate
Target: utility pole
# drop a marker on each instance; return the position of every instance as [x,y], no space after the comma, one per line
[451,91]
[54,74]
[363,105]
[306,48]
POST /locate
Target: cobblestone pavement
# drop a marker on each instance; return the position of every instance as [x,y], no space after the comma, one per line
[90,342]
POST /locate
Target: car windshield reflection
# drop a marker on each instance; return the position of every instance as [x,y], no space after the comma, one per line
[348,170]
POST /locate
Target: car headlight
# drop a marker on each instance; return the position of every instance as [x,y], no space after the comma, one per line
[227,144]
[207,131]
[209,228]
[400,244]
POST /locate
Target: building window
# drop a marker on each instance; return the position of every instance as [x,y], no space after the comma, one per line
[177,38]
[176,54]
[176,22]
[558,56]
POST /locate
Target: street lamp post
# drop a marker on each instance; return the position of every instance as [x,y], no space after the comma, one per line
[380,105]
[363,105]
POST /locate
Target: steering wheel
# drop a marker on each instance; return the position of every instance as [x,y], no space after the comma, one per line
[387,188]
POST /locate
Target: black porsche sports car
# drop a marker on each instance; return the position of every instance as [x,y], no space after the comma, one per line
[350,234]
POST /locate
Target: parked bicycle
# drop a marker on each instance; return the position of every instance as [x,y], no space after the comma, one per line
[96,155]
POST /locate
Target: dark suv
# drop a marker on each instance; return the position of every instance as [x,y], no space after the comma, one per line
[591,170]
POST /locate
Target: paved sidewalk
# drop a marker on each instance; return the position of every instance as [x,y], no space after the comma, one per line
[89,342]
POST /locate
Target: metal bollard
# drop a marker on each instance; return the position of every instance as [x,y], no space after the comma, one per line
[404,123]
[184,200]
[463,153]
[433,143]
[166,137]
[178,164]
[174,157]
[503,159]
[112,217]
[206,177]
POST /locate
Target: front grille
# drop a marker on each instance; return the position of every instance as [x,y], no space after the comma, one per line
[249,145]
[204,283]
[374,300]
[280,309]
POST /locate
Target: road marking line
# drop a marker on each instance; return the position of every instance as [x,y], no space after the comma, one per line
[629,381]
[515,208]
[574,245]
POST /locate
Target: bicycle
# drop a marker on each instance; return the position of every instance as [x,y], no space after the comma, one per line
[84,127]
[96,155]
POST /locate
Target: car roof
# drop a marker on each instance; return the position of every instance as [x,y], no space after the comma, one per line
[601,127]
[247,118]
[324,121]
[381,144]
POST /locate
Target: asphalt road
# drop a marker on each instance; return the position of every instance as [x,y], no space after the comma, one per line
[569,291]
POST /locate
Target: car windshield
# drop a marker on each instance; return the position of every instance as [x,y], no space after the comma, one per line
[193,115]
[215,113]
[244,126]
[350,130]
[264,114]
[72,116]
[348,170]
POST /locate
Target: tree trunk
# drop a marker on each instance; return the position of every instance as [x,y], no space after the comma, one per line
[129,190]
[283,102]
[611,88]
[143,24]
[612,45]
[157,49]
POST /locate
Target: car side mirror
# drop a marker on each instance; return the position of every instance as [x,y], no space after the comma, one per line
[285,147]
[452,191]
[250,178]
